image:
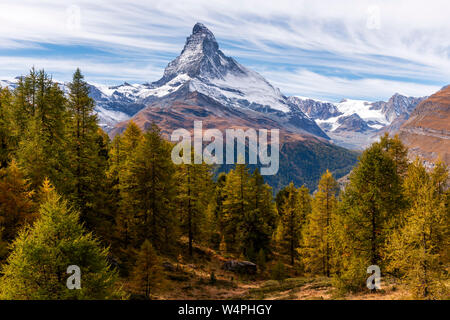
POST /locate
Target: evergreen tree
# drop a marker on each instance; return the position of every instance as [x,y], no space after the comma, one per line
[258,223]
[418,248]
[194,191]
[397,151]
[317,248]
[215,212]
[219,197]
[236,205]
[16,205]
[87,157]
[121,149]
[147,273]
[148,187]
[41,254]
[278,271]
[261,260]
[294,210]
[249,214]
[41,130]
[7,138]
[370,203]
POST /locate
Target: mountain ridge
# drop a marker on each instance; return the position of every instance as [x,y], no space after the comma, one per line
[427,131]
[225,97]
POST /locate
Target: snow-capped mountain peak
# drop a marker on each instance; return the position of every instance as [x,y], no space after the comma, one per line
[201,58]
[209,71]
[203,68]
[356,123]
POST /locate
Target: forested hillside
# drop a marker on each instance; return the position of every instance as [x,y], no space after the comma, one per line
[140,227]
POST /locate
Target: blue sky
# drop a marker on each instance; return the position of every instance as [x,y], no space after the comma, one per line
[325,49]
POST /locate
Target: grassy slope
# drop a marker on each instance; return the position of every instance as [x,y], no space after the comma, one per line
[191,279]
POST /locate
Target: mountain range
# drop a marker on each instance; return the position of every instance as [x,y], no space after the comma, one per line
[203,68]
[202,83]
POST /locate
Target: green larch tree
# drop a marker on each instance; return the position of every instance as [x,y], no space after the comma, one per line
[317,251]
[370,203]
[88,161]
[236,204]
[194,192]
[17,207]
[37,266]
[419,249]
[147,273]
[148,188]
[7,137]
[42,146]
[294,210]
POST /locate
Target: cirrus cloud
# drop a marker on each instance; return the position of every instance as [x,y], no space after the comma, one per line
[327,49]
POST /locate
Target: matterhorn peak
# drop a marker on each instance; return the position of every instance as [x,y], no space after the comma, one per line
[200,58]
[201,40]
[201,28]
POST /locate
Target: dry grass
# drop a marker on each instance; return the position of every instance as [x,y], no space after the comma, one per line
[191,280]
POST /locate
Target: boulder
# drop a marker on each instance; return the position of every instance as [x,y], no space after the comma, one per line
[168,266]
[241,267]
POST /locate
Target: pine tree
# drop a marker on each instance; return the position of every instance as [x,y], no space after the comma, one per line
[248,212]
[122,147]
[261,260]
[219,198]
[41,254]
[278,271]
[370,204]
[147,274]
[418,249]
[317,248]
[397,151]
[7,139]
[236,205]
[193,195]
[148,186]
[41,129]
[294,210]
[258,223]
[16,205]
[87,157]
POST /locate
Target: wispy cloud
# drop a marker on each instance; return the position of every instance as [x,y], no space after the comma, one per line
[333,89]
[324,48]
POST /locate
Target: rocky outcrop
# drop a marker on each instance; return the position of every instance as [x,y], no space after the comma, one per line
[352,123]
[240,267]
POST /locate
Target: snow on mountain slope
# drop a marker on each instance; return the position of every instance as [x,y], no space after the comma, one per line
[210,72]
[356,123]
[204,68]
[113,103]
[375,119]
[11,84]
[249,91]
[362,109]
